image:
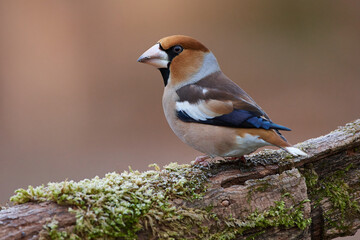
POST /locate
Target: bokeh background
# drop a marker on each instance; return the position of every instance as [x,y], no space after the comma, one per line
[74,103]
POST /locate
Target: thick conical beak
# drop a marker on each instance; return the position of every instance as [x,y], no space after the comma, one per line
[155,56]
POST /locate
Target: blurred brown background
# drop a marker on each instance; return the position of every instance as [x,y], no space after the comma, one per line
[74,103]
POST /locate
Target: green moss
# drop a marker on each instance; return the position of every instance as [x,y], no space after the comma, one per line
[341,198]
[276,216]
[121,205]
[338,192]
[53,233]
[287,157]
[311,177]
[261,185]
[356,149]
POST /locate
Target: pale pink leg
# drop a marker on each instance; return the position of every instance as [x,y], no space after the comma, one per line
[201,160]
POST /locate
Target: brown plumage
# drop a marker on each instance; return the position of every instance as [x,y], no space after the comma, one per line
[204,108]
[185,41]
[226,91]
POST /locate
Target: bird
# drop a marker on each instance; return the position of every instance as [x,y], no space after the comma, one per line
[205,108]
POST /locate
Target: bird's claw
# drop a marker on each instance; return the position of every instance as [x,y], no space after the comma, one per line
[201,160]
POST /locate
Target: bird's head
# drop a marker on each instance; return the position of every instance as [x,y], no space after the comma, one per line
[180,59]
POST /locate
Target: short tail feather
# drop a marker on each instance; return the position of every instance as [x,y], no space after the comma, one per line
[295,151]
[260,122]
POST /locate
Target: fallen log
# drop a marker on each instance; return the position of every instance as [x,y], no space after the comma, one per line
[272,196]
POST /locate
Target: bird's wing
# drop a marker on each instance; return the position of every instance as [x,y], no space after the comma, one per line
[216,100]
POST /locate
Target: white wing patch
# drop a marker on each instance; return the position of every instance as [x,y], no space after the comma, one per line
[193,110]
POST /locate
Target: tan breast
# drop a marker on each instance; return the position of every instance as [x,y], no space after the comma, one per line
[209,139]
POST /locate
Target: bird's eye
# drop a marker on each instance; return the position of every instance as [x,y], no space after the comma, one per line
[177,49]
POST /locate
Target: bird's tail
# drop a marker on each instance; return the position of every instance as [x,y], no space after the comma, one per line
[295,151]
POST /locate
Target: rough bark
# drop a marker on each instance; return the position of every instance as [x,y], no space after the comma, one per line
[25,221]
[237,189]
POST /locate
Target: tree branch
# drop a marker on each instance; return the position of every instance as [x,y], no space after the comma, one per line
[265,198]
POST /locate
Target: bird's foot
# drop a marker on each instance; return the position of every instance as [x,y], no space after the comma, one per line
[201,160]
[242,159]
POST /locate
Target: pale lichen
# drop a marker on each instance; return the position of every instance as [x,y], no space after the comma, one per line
[350,128]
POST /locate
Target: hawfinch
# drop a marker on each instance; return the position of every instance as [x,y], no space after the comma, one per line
[207,110]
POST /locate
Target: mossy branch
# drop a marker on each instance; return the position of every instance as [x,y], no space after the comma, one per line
[272,196]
